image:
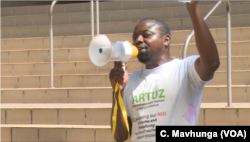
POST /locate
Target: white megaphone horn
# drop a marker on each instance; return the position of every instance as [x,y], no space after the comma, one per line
[102,50]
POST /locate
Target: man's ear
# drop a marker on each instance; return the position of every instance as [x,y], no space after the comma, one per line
[167,40]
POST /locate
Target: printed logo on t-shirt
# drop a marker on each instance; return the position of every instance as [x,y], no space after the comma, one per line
[148,96]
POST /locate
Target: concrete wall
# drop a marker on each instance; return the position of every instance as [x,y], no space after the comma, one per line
[30,3]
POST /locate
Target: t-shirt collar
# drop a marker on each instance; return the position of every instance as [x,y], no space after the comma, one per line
[157,69]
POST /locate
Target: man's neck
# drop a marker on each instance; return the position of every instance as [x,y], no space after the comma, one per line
[158,63]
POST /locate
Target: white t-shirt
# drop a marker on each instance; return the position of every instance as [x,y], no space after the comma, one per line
[169,94]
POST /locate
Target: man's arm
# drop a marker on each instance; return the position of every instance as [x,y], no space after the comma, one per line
[209,61]
[116,74]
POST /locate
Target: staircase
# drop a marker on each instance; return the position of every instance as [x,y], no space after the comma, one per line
[79,107]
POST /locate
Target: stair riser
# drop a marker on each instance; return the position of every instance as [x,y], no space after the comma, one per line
[103,6]
[119,15]
[211,94]
[65,55]
[117,27]
[220,78]
[177,37]
[215,116]
[56,134]
[238,63]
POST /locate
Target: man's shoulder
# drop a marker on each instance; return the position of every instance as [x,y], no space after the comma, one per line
[135,73]
[188,61]
[191,58]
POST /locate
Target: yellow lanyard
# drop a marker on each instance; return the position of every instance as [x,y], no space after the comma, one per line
[123,110]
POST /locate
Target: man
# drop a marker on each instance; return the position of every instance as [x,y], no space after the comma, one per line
[168,91]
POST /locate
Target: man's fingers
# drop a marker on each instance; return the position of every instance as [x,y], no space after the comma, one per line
[117,72]
[119,69]
[117,78]
[119,64]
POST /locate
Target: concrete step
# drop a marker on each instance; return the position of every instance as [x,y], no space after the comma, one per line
[55,133]
[240,93]
[177,37]
[87,67]
[210,114]
[84,67]
[102,80]
[99,114]
[103,6]
[242,49]
[119,15]
[239,20]
[219,114]
[77,114]
[238,48]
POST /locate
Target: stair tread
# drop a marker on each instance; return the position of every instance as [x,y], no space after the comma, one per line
[74,24]
[172,31]
[56,126]
[98,74]
[132,60]
[71,88]
[101,105]
[55,105]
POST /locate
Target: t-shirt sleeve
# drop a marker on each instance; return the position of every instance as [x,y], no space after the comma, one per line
[194,78]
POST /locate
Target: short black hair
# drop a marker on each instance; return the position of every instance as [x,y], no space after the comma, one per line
[164,29]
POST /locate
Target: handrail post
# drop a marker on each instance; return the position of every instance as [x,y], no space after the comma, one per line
[97,17]
[92,18]
[51,44]
[229,89]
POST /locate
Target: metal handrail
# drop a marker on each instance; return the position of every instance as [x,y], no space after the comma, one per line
[51,32]
[229,81]
[228,8]
[97,17]
[51,43]
[92,18]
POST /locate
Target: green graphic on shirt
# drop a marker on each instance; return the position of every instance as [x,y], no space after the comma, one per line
[156,94]
[149,95]
[141,97]
[162,90]
[135,99]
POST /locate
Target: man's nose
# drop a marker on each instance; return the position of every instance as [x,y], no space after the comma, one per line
[139,39]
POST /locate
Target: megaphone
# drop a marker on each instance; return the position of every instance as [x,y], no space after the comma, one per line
[102,50]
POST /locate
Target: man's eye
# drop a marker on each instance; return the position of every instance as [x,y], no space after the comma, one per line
[147,35]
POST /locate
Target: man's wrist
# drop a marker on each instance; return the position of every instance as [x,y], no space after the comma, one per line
[193,9]
[195,14]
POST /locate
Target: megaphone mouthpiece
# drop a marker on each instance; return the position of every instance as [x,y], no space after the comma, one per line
[134,50]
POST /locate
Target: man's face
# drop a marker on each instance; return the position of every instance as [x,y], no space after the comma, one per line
[148,40]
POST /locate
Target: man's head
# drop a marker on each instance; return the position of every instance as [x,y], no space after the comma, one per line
[152,38]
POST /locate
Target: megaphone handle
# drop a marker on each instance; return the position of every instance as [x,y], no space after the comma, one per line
[124,67]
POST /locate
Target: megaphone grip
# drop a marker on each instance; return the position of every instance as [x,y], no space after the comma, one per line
[123,67]
[123,110]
